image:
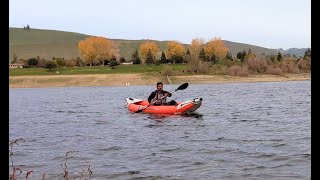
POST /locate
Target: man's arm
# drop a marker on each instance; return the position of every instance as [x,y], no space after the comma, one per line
[152,95]
[169,94]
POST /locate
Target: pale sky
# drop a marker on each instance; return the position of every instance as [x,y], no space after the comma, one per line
[267,23]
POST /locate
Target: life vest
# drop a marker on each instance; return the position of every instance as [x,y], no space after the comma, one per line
[157,99]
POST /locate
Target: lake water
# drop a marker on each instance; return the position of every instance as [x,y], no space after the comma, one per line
[241,131]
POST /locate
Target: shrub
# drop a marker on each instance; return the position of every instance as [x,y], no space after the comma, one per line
[177,59]
[198,66]
[60,62]
[219,69]
[288,66]
[167,71]
[70,63]
[304,65]
[293,68]
[203,67]
[237,70]
[122,60]
[157,62]
[32,62]
[136,61]
[274,71]
[105,62]
[79,62]
[113,63]
[256,65]
[41,63]
[50,65]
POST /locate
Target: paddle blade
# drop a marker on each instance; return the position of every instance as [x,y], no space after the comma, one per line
[182,86]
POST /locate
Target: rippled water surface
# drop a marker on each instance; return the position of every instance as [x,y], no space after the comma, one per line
[241,131]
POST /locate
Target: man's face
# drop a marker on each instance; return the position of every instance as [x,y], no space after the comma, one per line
[159,87]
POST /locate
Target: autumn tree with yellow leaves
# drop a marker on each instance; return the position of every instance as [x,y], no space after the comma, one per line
[195,47]
[97,49]
[145,47]
[216,48]
[195,65]
[175,48]
[213,48]
[201,52]
[175,51]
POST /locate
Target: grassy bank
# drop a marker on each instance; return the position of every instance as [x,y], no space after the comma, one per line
[121,69]
[137,75]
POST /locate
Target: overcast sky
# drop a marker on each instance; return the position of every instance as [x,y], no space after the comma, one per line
[267,23]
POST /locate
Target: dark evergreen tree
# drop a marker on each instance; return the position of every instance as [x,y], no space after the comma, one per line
[187,57]
[50,65]
[279,56]
[213,58]
[307,53]
[273,58]
[229,56]
[163,59]
[242,55]
[203,56]
[135,58]
[149,58]
[122,60]
[239,55]
[177,59]
[113,62]
[32,62]
[79,62]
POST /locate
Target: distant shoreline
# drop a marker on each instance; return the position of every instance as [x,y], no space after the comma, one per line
[44,81]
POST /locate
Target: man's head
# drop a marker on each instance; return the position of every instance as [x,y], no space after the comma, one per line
[159,86]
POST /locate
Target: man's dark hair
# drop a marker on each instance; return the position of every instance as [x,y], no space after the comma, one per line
[159,83]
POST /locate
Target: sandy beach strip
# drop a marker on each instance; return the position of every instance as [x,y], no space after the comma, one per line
[139,79]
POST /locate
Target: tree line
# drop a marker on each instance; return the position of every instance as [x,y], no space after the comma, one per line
[96,50]
[198,56]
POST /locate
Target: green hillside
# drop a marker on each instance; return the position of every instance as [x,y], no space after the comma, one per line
[234,48]
[51,43]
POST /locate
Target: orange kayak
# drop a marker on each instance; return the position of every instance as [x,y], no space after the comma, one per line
[186,107]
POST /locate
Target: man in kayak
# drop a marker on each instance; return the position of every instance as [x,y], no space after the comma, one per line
[159,96]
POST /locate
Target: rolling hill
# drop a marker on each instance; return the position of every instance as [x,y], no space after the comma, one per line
[296,51]
[52,43]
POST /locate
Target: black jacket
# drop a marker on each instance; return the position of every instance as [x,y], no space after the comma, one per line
[153,94]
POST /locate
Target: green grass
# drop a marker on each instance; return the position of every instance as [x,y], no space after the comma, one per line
[121,69]
[51,43]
